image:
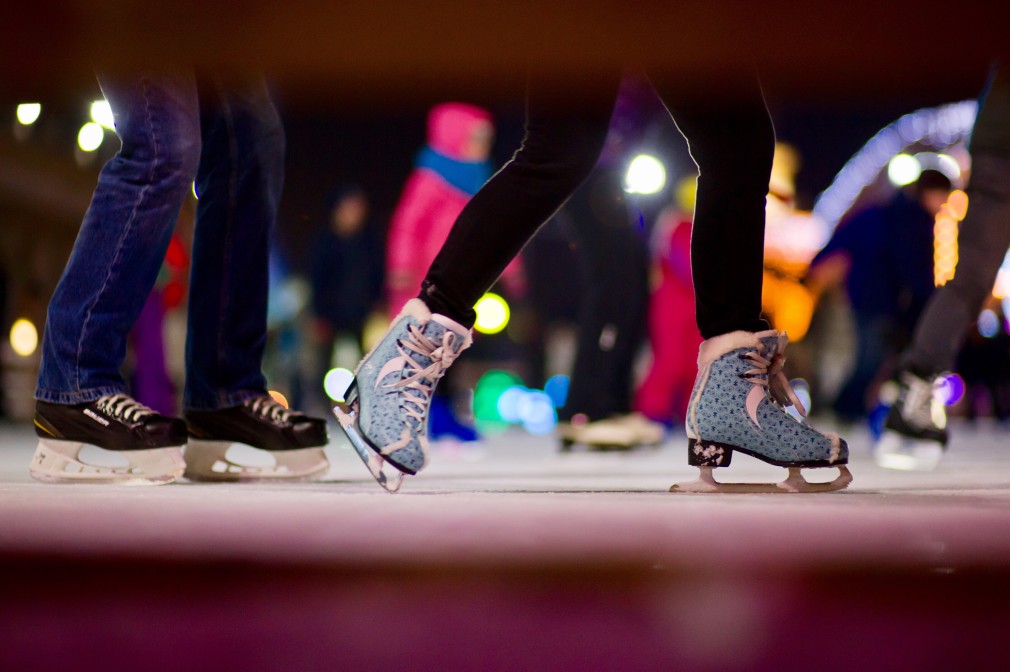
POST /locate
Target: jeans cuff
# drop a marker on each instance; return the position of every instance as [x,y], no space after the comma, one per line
[77,396]
[222,400]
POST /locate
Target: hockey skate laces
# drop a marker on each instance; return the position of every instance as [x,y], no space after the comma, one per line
[267,407]
[123,407]
[918,406]
[768,373]
[442,356]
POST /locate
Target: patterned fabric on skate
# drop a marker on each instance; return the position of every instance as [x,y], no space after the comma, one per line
[393,407]
[726,408]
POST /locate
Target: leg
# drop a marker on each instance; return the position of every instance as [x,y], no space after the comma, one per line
[558,152]
[740,395]
[239,181]
[386,412]
[123,239]
[916,429]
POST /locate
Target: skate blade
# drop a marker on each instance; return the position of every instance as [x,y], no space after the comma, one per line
[795,482]
[895,451]
[377,465]
[57,461]
[208,461]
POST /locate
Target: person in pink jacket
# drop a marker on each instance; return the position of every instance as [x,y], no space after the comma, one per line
[447,172]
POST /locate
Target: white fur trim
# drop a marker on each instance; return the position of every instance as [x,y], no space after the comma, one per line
[836,445]
[716,347]
[415,308]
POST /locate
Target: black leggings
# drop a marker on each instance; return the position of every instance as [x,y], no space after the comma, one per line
[732,144]
[982,241]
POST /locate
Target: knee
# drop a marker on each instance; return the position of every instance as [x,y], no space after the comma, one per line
[164,146]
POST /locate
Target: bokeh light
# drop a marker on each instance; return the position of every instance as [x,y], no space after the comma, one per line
[90,137]
[336,381]
[24,337]
[556,388]
[988,324]
[279,398]
[101,114]
[492,314]
[28,113]
[950,389]
[903,169]
[536,411]
[646,175]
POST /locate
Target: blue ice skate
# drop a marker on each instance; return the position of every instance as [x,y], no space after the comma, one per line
[738,405]
[385,409]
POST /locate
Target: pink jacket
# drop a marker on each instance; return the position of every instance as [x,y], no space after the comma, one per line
[435,193]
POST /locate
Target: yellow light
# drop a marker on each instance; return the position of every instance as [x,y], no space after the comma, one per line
[24,337]
[957,204]
[646,175]
[101,114]
[90,136]
[28,113]
[196,194]
[279,398]
[492,314]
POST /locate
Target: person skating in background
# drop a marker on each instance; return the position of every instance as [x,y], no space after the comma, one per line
[346,273]
[230,140]
[884,257]
[673,333]
[740,394]
[612,253]
[447,172]
[915,435]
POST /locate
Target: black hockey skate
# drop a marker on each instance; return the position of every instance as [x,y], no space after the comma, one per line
[294,440]
[149,441]
[915,431]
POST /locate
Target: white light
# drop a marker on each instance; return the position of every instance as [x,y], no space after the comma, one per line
[646,175]
[903,169]
[101,114]
[948,165]
[28,113]
[336,382]
[24,337]
[90,136]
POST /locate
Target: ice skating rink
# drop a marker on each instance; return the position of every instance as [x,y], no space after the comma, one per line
[513,556]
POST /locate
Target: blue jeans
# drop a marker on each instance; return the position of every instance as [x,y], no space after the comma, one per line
[232,144]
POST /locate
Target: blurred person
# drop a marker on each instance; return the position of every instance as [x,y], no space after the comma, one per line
[665,392]
[612,252]
[916,432]
[230,140]
[884,257]
[346,278]
[150,382]
[739,399]
[448,171]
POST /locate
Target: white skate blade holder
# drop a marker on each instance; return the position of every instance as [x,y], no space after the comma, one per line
[793,483]
[209,461]
[57,461]
[896,451]
[391,482]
